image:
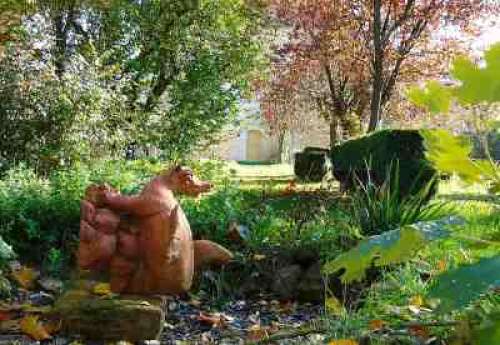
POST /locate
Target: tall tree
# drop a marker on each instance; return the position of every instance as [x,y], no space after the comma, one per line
[174,70]
[353,53]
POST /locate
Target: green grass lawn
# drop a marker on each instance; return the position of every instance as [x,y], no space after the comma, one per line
[260,171]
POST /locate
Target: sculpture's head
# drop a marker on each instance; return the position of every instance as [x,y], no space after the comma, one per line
[182,180]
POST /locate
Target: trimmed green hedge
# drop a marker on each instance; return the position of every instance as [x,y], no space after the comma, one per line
[312,164]
[379,152]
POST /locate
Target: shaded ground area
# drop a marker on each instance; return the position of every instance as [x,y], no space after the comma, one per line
[195,321]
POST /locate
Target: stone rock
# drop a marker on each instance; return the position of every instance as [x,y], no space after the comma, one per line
[130,318]
[311,287]
[287,279]
[41,298]
[5,286]
[51,285]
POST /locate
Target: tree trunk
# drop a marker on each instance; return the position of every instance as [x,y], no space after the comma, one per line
[333,131]
[60,29]
[377,73]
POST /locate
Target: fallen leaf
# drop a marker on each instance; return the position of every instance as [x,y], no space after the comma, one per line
[5,316]
[29,308]
[259,257]
[417,301]
[333,306]
[25,277]
[419,331]
[256,333]
[343,342]
[376,325]
[31,326]
[53,326]
[441,265]
[102,289]
[195,303]
[415,310]
[215,320]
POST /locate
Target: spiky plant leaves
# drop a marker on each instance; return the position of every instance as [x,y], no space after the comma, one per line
[391,247]
[459,287]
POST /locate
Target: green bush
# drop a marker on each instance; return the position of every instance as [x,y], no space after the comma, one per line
[312,164]
[39,216]
[372,156]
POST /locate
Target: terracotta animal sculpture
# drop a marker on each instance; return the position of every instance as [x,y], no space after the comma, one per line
[145,241]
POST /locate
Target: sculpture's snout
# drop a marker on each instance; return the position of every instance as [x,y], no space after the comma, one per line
[185,182]
[196,187]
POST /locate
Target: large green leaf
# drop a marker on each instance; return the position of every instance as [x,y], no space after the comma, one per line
[459,287]
[489,333]
[391,247]
[450,154]
[435,97]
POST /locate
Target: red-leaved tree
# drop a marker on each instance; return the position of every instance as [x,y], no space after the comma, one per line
[343,59]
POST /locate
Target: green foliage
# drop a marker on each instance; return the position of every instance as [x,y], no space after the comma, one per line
[381,208]
[477,86]
[162,73]
[434,96]
[489,332]
[451,155]
[39,216]
[48,122]
[459,287]
[201,57]
[391,247]
[6,251]
[378,151]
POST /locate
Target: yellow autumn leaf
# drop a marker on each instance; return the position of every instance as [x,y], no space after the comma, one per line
[25,277]
[53,326]
[33,328]
[333,306]
[343,342]
[102,289]
[376,325]
[417,301]
[259,257]
[441,265]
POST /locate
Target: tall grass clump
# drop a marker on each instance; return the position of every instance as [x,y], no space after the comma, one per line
[379,208]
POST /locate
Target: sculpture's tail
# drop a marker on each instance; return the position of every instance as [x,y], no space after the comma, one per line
[208,253]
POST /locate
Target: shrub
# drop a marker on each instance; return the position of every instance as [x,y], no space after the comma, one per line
[380,208]
[377,151]
[39,216]
[312,164]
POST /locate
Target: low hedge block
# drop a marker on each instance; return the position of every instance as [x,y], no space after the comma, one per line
[312,164]
[373,155]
